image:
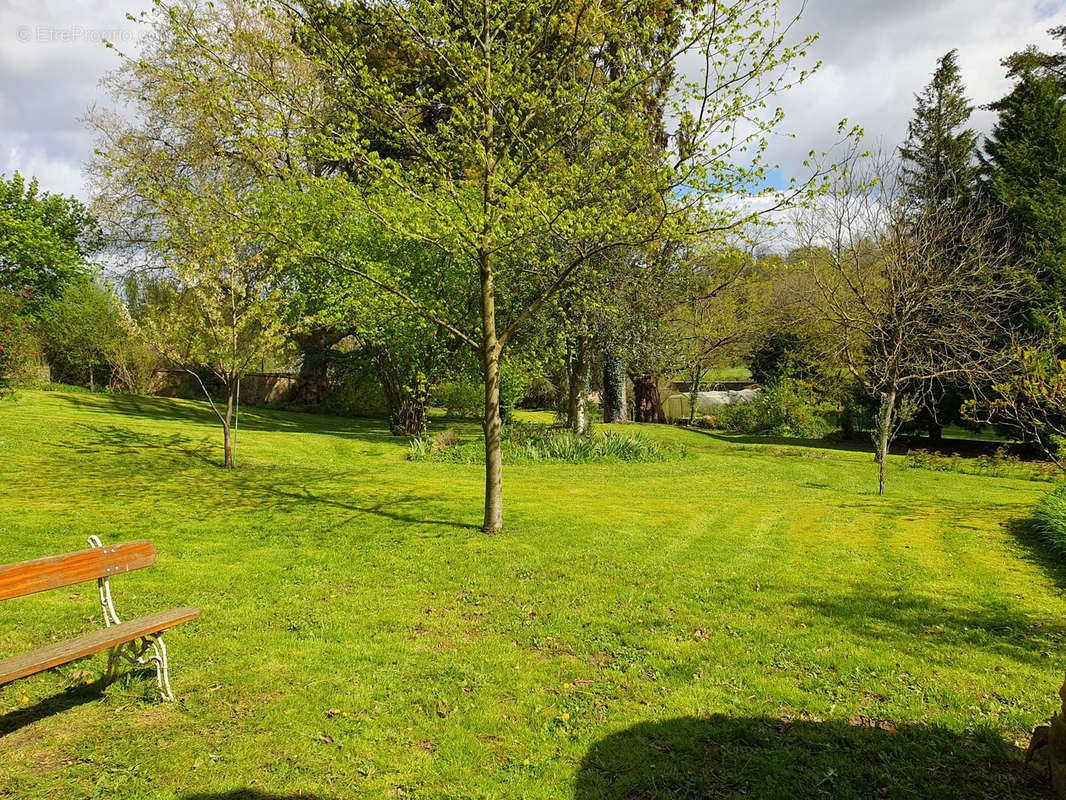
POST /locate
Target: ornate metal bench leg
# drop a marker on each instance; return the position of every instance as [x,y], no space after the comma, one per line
[136,655]
[162,666]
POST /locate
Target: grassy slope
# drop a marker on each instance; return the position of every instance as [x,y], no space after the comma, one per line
[736,623]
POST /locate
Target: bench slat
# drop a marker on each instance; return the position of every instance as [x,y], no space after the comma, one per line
[41,574]
[54,655]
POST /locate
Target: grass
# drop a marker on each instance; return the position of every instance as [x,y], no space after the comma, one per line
[750,621]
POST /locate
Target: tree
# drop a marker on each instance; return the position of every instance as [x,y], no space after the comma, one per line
[911,298]
[46,241]
[498,125]
[1032,399]
[1032,60]
[223,309]
[717,322]
[938,157]
[938,166]
[84,329]
[220,316]
[1025,167]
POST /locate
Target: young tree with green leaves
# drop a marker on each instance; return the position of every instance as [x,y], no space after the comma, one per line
[221,314]
[498,125]
[85,330]
[541,137]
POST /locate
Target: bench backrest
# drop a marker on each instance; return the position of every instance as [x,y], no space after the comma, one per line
[53,572]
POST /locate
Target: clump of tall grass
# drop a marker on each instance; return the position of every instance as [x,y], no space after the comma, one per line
[1000,464]
[1049,519]
[530,443]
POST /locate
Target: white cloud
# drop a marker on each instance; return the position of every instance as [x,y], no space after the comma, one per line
[52,57]
[877,55]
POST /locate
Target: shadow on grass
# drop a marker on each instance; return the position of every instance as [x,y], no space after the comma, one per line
[49,706]
[967,448]
[123,441]
[901,621]
[386,508]
[1036,550]
[167,409]
[850,446]
[249,794]
[762,757]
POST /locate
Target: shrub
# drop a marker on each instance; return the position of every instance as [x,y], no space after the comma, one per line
[740,417]
[1049,519]
[458,399]
[85,330]
[787,407]
[793,407]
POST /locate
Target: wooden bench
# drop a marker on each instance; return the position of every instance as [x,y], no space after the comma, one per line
[137,641]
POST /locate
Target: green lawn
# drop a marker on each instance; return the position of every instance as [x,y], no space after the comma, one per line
[750,621]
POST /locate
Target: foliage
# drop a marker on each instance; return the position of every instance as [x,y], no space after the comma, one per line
[1025,167]
[526,443]
[787,407]
[783,352]
[1031,400]
[1049,518]
[46,241]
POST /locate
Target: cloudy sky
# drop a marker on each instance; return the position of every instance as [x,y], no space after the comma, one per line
[875,55]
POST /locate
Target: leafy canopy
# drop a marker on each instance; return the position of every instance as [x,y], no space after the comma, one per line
[45,240]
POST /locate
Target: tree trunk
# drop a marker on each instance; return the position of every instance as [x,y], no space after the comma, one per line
[884,434]
[313,378]
[490,423]
[694,393]
[936,434]
[92,387]
[577,408]
[227,438]
[409,416]
[407,400]
[647,405]
[614,388]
